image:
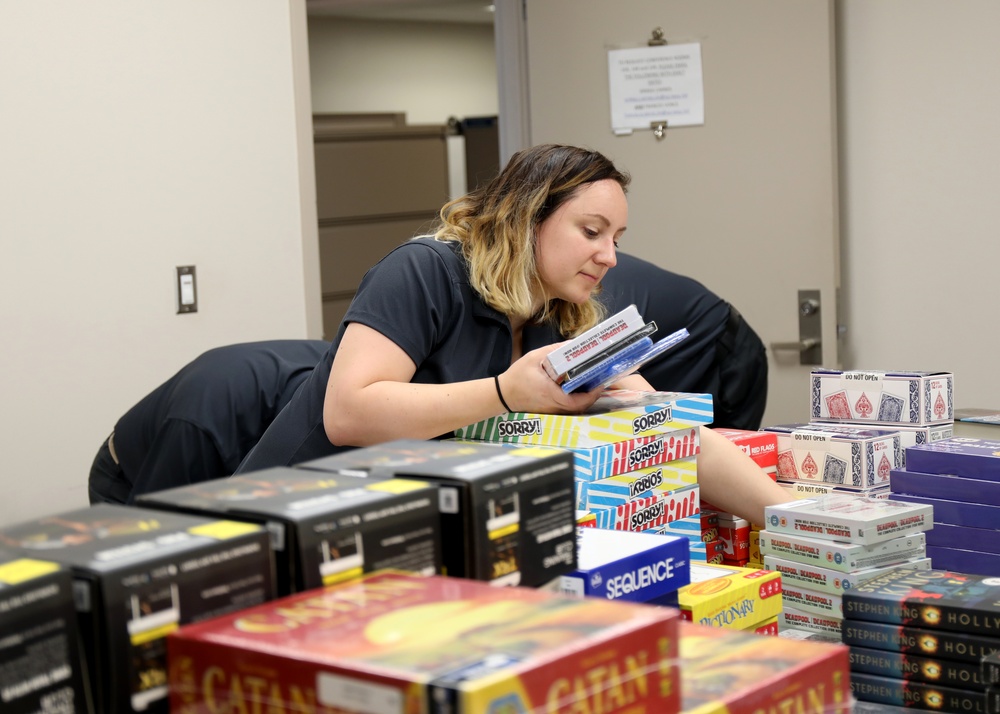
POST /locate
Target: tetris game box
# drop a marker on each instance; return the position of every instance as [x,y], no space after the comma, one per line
[402,643]
[138,575]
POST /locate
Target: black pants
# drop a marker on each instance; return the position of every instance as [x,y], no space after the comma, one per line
[107,482]
[741,359]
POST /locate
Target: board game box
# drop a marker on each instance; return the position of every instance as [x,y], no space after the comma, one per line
[845,557]
[881,397]
[618,415]
[729,672]
[139,574]
[402,643]
[957,513]
[837,582]
[837,454]
[508,516]
[945,535]
[761,446]
[931,599]
[39,657]
[645,514]
[960,646]
[954,488]
[324,527]
[959,456]
[932,670]
[849,519]
[631,455]
[621,565]
[922,695]
[965,560]
[642,483]
[727,596]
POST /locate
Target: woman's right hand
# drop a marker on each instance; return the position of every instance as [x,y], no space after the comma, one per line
[527,387]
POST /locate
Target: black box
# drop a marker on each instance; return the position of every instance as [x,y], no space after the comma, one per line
[39,650]
[324,528]
[137,576]
[508,516]
[958,646]
[930,670]
[919,695]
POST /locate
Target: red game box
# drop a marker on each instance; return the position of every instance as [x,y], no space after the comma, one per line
[393,641]
[744,673]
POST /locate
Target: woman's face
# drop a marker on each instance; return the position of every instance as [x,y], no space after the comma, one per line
[576,245]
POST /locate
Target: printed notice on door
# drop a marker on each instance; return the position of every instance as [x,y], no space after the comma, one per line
[656,84]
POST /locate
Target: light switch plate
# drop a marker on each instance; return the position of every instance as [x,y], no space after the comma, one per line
[187,289]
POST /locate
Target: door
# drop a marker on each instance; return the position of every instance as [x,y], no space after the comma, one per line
[746,203]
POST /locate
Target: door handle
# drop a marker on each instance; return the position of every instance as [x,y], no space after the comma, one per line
[800,346]
[809,315]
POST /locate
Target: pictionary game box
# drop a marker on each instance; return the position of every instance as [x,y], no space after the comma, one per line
[39,657]
[403,643]
[324,528]
[835,454]
[728,672]
[959,456]
[618,415]
[621,565]
[508,516]
[881,397]
[727,596]
[851,519]
[845,557]
[138,574]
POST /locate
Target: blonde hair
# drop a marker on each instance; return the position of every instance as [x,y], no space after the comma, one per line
[496,226]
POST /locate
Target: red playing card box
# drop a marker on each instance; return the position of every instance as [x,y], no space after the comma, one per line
[397,642]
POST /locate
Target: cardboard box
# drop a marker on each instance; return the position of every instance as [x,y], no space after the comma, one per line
[729,597]
[39,651]
[396,642]
[138,575]
[645,514]
[324,527]
[959,456]
[642,483]
[619,415]
[952,488]
[881,397]
[849,519]
[843,557]
[744,673]
[832,581]
[945,535]
[965,560]
[910,434]
[956,513]
[844,456]
[761,446]
[620,565]
[508,516]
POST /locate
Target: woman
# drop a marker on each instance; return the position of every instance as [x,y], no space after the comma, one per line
[451,329]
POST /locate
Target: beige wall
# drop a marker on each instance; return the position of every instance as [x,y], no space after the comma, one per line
[920,168]
[137,137]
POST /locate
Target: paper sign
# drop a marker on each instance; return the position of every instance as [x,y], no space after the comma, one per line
[656,84]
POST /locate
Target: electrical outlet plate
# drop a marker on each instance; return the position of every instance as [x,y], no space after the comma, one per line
[187,290]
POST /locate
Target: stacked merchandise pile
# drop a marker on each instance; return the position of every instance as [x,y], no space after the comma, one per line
[825,546]
[634,454]
[917,640]
[702,531]
[397,642]
[740,673]
[960,478]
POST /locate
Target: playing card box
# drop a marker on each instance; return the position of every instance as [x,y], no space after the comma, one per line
[909,434]
[761,446]
[850,519]
[744,673]
[945,535]
[930,669]
[922,695]
[508,516]
[965,560]
[138,574]
[620,565]
[649,513]
[584,347]
[618,415]
[397,642]
[832,581]
[793,618]
[958,456]
[957,513]
[842,557]
[39,657]
[324,527]
[727,596]
[931,599]
[836,454]
[897,397]
[642,483]
[812,489]
[953,488]
[957,646]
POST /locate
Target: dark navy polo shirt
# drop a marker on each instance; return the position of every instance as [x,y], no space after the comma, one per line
[419,297]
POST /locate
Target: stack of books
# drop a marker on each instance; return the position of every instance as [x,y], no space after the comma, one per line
[918,639]
[960,478]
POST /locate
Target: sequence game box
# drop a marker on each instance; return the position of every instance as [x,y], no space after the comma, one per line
[324,528]
[931,599]
[959,456]
[402,643]
[729,672]
[836,454]
[618,415]
[508,516]
[39,657]
[850,519]
[728,596]
[845,557]
[881,397]
[139,574]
